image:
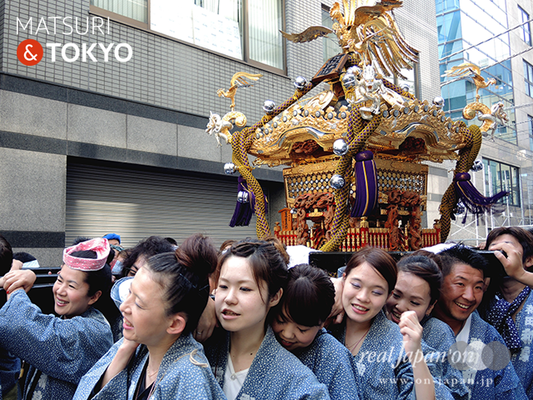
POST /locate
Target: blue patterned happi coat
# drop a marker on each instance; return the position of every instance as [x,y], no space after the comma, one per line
[382,369]
[184,373]
[439,336]
[484,381]
[275,372]
[332,364]
[59,351]
[523,359]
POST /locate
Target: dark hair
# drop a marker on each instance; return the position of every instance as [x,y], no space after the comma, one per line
[525,238]
[280,247]
[172,241]
[426,269]
[6,256]
[265,260]
[226,244]
[184,275]
[428,254]
[100,280]
[380,260]
[97,280]
[308,296]
[23,257]
[465,255]
[148,247]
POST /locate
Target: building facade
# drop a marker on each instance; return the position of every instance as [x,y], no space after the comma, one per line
[106,133]
[496,36]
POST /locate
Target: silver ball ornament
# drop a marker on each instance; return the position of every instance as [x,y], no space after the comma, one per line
[439,102]
[300,82]
[229,168]
[269,106]
[340,147]
[477,166]
[336,181]
[406,87]
[242,197]
[348,80]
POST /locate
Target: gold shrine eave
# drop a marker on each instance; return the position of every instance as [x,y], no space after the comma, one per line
[323,121]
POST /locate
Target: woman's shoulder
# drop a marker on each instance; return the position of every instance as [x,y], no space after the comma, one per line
[272,355]
[327,355]
[93,315]
[435,327]
[182,346]
[437,334]
[326,344]
[94,324]
[286,370]
[384,328]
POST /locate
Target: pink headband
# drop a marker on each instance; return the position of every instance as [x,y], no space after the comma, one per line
[99,245]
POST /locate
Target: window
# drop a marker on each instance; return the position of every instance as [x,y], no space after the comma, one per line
[446,5]
[243,29]
[134,9]
[411,80]
[498,177]
[528,78]
[526,28]
[530,120]
[330,44]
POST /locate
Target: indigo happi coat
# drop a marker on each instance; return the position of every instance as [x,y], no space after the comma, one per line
[59,351]
[184,373]
[275,372]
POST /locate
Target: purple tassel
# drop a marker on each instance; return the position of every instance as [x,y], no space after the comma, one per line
[245,206]
[366,193]
[474,201]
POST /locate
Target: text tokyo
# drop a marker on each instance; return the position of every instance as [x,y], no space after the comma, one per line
[94,52]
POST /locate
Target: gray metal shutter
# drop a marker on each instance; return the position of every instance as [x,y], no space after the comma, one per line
[136,204]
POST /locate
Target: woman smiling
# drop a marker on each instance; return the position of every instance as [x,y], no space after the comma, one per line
[380,347]
[61,350]
[417,289]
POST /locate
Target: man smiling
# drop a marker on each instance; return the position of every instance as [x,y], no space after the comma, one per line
[491,377]
[463,286]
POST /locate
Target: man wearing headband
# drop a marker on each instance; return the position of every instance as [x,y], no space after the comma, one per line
[59,350]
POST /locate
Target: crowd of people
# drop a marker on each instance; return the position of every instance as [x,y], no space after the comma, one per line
[167,321]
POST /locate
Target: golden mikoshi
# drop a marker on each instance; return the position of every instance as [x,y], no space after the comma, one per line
[354,151]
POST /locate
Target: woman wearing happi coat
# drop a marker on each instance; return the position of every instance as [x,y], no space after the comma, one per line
[388,357]
[299,327]
[417,289]
[245,356]
[158,358]
[59,350]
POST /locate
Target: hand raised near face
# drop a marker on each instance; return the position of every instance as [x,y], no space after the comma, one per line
[411,330]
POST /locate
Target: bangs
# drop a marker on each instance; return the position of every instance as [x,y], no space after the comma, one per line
[302,310]
[302,304]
